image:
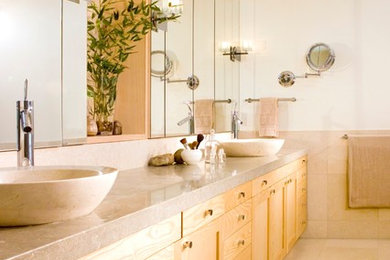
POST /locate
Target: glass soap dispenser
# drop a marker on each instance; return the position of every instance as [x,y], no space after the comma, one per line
[211,147]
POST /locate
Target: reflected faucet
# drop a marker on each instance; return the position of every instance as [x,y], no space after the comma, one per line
[25,130]
[236,122]
[189,119]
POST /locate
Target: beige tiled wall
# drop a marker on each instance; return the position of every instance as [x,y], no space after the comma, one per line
[328,212]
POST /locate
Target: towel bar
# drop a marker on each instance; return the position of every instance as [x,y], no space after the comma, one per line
[250,100]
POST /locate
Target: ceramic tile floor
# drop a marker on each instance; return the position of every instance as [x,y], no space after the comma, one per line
[340,249]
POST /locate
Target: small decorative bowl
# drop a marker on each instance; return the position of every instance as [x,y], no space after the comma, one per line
[192,156]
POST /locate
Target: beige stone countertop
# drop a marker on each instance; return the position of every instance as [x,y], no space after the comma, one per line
[140,198]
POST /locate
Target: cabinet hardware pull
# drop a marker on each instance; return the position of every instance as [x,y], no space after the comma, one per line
[265,182]
[303,161]
[208,212]
[187,244]
[272,192]
[241,242]
[241,195]
[241,217]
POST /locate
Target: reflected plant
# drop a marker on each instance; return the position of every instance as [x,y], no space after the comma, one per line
[114,28]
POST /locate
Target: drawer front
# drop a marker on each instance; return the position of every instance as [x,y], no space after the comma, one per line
[264,182]
[238,195]
[294,166]
[236,218]
[142,244]
[245,255]
[202,214]
[238,242]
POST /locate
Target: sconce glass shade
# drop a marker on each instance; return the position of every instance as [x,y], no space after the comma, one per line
[224,47]
[246,46]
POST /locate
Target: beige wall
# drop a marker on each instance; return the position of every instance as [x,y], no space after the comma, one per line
[328,212]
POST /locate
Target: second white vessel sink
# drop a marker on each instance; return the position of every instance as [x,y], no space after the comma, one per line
[252,147]
[39,195]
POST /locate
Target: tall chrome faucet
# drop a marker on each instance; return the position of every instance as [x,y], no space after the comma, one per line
[25,129]
[189,119]
[236,122]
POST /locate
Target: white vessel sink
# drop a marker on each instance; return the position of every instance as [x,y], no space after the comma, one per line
[41,195]
[252,147]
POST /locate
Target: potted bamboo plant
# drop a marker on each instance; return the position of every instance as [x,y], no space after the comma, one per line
[114,28]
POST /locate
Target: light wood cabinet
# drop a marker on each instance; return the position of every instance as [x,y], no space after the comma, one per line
[237,243]
[279,212]
[259,220]
[202,214]
[260,232]
[142,244]
[276,241]
[291,210]
[201,244]
[301,205]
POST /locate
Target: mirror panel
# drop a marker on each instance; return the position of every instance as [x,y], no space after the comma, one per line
[179,46]
[227,73]
[202,27]
[74,94]
[30,47]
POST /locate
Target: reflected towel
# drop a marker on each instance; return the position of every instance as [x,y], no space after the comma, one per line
[369,171]
[269,126]
[204,116]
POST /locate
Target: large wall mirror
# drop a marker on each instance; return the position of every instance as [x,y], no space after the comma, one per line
[45,41]
[190,49]
[31,47]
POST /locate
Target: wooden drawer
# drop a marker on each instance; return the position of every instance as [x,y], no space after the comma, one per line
[142,244]
[238,195]
[202,214]
[294,166]
[245,255]
[236,219]
[264,182]
[238,242]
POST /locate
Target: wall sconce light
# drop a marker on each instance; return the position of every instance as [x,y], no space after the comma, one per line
[235,52]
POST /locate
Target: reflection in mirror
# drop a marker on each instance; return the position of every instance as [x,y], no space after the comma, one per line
[320,57]
[161,64]
[203,25]
[227,73]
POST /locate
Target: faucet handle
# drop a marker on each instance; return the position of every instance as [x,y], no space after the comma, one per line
[25,89]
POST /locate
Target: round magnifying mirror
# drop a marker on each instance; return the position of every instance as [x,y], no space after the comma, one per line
[286,79]
[320,57]
[161,64]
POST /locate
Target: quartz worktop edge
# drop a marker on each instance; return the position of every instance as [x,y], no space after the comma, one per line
[94,238]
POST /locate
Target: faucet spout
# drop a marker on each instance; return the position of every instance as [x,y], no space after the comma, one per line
[25,131]
[236,122]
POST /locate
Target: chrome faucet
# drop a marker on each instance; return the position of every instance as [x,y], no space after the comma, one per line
[189,119]
[25,130]
[236,122]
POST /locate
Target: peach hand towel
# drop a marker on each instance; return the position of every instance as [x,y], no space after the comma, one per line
[369,171]
[269,126]
[204,116]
